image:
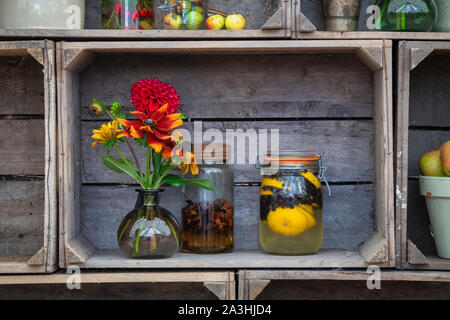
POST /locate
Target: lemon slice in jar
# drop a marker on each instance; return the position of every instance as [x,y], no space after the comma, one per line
[312,178]
[287,221]
[271,182]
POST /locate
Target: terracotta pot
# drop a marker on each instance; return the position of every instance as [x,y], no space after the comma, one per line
[341,15]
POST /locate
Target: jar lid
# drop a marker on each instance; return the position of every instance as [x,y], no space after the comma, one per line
[292,159]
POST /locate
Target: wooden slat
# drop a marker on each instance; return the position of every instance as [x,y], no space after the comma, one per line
[130,277]
[24,154]
[346,222]
[347,275]
[21,217]
[236,259]
[260,86]
[430,92]
[212,34]
[348,144]
[22,86]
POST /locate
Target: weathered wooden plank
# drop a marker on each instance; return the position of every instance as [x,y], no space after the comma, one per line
[22,89]
[348,144]
[110,291]
[22,147]
[346,222]
[21,217]
[326,258]
[355,290]
[420,142]
[430,92]
[243,86]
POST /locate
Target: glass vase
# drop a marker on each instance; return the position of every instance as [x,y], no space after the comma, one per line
[149,231]
[128,14]
[406,15]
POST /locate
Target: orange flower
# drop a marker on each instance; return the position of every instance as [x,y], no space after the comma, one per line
[176,139]
[106,133]
[158,127]
[189,163]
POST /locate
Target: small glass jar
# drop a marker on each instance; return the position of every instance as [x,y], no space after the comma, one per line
[128,14]
[406,15]
[291,220]
[184,14]
[208,217]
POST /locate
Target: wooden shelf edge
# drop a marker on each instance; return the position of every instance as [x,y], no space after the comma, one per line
[120,277]
[360,275]
[89,34]
[240,259]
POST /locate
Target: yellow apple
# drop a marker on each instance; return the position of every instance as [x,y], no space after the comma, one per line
[235,22]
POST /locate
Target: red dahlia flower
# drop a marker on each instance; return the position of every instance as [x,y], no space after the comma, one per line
[148,95]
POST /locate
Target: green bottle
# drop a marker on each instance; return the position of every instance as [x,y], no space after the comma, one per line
[406,15]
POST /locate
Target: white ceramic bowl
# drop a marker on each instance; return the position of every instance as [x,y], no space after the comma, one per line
[38,14]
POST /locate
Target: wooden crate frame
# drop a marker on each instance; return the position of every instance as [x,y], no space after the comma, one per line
[279,26]
[73,57]
[253,282]
[221,284]
[45,259]
[410,55]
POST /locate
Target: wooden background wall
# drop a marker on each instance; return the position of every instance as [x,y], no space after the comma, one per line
[322,102]
[21,156]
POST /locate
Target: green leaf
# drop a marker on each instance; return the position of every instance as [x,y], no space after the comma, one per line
[122,166]
[177,181]
[156,158]
[116,110]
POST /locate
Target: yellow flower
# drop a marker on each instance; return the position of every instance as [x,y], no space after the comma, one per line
[106,133]
[189,163]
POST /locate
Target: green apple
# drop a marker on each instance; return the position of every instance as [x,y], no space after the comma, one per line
[431,164]
[195,20]
[172,21]
[215,22]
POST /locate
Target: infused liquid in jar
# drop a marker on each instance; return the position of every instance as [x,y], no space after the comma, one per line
[208,216]
[291,221]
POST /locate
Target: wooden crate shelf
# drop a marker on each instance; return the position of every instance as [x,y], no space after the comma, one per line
[221,284]
[28,194]
[253,282]
[137,35]
[341,103]
[423,123]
